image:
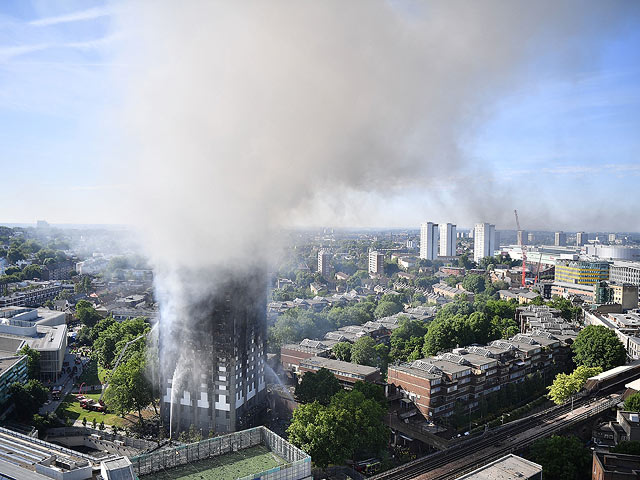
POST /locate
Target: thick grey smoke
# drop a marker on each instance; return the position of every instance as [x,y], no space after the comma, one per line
[244,116]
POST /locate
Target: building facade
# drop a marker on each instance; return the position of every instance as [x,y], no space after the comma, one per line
[581,239]
[483,241]
[560,239]
[12,369]
[461,380]
[625,272]
[213,359]
[323,262]
[581,272]
[376,263]
[522,237]
[429,240]
[447,234]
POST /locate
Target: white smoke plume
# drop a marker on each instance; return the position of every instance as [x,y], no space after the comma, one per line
[247,115]
[242,117]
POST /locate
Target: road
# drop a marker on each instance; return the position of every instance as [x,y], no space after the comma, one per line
[66,381]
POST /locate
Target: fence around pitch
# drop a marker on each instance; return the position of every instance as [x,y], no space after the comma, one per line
[298,464]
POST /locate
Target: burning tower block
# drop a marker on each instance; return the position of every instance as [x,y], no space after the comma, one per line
[212,360]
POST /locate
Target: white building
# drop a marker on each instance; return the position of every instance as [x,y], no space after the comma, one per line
[376,262]
[447,240]
[483,241]
[323,262]
[429,240]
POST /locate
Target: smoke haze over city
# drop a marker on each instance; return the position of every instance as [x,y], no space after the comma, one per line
[253,116]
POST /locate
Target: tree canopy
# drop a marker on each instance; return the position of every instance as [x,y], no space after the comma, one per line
[562,458]
[627,448]
[33,361]
[632,403]
[317,386]
[28,398]
[349,427]
[86,313]
[598,346]
[566,385]
[342,351]
[129,388]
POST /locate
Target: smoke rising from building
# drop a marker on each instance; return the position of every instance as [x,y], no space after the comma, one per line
[246,115]
[243,117]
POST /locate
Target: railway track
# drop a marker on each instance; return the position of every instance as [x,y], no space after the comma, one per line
[477,451]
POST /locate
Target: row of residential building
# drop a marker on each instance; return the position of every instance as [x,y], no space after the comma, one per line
[33,294]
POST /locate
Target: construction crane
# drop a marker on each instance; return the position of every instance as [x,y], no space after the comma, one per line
[523,247]
[538,269]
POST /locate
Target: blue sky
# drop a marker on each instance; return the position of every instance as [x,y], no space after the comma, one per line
[564,131]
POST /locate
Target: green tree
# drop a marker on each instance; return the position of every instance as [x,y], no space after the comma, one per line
[562,458]
[597,346]
[317,386]
[342,351]
[31,272]
[129,388]
[407,338]
[351,425]
[86,313]
[632,403]
[27,398]
[567,310]
[473,283]
[363,351]
[627,448]
[322,433]
[565,386]
[33,361]
[386,309]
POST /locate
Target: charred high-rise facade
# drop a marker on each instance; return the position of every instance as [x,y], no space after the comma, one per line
[213,354]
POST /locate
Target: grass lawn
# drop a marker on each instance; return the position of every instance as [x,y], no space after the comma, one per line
[224,467]
[72,409]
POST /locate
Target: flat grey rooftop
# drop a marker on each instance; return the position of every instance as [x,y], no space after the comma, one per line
[509,467]
[338,365]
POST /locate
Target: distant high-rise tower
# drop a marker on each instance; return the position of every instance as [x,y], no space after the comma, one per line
[612,237]
[484,241]
[522,237]
[429,240]
[447,240]
[323,262]
[560,239]
[213,353]
[496,240]
[531,239]
[376,263]
[581,238]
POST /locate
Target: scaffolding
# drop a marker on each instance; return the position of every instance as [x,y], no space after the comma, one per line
[297,466]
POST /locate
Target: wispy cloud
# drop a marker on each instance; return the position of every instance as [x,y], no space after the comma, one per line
[89,14]
[9,52]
